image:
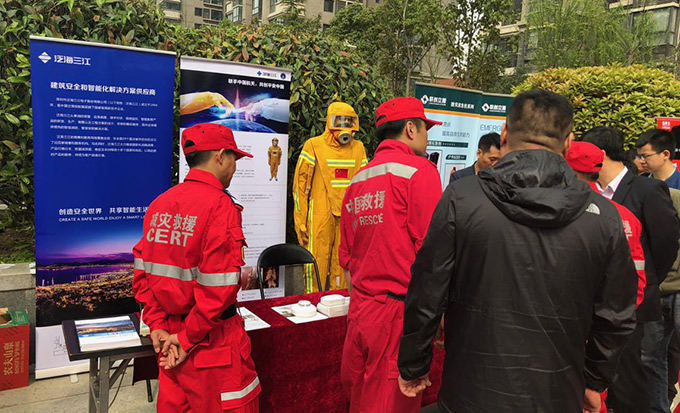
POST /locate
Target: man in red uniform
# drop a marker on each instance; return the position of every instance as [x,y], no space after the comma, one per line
[187,268]
[385,215]
[586,161]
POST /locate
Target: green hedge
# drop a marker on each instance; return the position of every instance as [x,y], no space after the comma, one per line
[625,97]
[323,72]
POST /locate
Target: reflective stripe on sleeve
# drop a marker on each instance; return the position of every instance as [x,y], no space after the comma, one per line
[397,169]
[639,265]
[188,274]
[165,270]
[218,279]
[170,271]
[364,163]
[239,394]
[307,157]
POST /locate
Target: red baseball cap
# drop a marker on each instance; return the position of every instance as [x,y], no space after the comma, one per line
[210,137]
[402,108]
[585,157]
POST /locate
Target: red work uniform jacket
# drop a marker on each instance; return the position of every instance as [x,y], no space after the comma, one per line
[189,259]
[633,229]
[385,215]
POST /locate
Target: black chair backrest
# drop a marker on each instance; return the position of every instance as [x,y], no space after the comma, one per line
[284,254]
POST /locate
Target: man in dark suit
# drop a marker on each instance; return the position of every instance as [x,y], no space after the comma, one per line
[488,153]
[650,201]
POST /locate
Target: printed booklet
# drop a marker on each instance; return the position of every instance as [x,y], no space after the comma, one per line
[107,333]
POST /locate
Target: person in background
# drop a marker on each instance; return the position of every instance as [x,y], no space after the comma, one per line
[641,381]
[385,214]
[528,264]
[655,151]
[634,164]
[488,153]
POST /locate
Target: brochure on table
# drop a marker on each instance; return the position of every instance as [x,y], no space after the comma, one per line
[252,322]
[287,311]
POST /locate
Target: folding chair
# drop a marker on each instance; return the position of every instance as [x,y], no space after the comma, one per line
[285,254]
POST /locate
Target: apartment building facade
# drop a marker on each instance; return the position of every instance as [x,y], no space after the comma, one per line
[193,13]
[663,14]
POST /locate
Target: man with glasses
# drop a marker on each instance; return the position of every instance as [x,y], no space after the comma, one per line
[655,150]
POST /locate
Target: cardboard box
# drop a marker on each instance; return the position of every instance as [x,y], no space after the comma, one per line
[14,336]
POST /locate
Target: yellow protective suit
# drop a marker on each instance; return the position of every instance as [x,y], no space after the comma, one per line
[274,159]
[323,172]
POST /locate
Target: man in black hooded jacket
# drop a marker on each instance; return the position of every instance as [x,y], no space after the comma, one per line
[534,274]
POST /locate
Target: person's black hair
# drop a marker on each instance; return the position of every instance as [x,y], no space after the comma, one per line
[197,158]
[394,129]
[488,140]
[592,176]
[659,139]
[610,140]
[540,117]
[630,161]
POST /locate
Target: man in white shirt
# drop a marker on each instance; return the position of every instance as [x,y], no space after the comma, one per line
[640,385]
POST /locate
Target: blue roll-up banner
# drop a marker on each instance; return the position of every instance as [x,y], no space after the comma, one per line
[102,139]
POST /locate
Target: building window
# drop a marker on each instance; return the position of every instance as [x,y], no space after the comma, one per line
[328,6]
[237,15]
[257,7]
[663,25]
[508,51]
[172,5]
[216,15]
[216,2]
[341,5]
[272,6]
[198,12]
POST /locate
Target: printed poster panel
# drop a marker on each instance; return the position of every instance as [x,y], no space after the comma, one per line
[102,125]
[466,116]
[254,102]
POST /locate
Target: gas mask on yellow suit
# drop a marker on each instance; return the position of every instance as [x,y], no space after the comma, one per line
[342,122]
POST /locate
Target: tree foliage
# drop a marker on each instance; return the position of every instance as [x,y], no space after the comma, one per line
[323,71]
[396,36]
[573,33]
[471,38]
[625,97]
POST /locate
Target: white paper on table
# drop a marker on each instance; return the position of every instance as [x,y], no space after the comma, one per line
[252,321]
[287,311]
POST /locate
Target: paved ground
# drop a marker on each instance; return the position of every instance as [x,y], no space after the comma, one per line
[59,395]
